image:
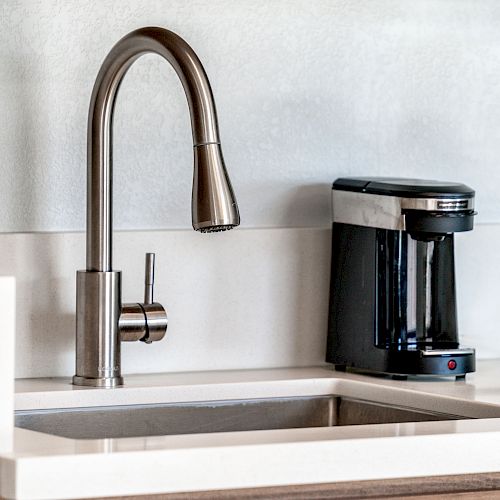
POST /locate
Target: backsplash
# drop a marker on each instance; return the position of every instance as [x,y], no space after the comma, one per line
[241,299]
[249,298]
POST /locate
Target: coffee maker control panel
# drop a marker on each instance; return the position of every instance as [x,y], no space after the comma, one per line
[403,204]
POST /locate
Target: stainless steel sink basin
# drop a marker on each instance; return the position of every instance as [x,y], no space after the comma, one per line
[217,416]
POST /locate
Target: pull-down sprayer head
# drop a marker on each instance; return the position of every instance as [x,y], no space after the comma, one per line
[214,206]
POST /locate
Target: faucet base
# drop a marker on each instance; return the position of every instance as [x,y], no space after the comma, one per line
[98,306]
[98,382]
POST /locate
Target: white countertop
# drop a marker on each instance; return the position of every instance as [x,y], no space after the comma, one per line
[45,466]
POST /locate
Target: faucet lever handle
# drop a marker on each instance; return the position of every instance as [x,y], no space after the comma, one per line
[149,279]
[147,321]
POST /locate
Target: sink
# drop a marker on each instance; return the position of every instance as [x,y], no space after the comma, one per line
[100,422]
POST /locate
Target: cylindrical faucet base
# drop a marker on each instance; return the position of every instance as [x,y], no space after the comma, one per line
[97,333]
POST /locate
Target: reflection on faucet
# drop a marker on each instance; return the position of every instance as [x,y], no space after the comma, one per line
[102,320]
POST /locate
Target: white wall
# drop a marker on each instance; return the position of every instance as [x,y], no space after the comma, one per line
[306,91]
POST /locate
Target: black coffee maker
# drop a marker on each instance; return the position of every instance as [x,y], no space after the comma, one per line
[392,293]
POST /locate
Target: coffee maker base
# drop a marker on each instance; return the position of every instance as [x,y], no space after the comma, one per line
[399,364]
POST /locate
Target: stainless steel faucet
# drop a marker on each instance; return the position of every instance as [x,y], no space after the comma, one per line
[102,321]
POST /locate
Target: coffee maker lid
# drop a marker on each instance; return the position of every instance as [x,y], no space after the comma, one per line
[402,187]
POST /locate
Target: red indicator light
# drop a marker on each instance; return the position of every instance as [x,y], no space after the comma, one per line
[452,364]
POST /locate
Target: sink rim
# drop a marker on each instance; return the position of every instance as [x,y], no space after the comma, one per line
[240,415]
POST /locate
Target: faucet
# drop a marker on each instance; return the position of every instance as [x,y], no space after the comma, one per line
[102,321]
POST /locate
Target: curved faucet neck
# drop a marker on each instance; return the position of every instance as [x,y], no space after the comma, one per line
[99,154]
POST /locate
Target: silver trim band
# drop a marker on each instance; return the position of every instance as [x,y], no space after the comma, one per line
[387,212]
[447,352]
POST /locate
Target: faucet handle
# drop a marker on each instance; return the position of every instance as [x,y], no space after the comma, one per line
[154,313]
[149,279]
[147,321]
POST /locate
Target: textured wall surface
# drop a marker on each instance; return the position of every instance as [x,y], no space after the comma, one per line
[306,91]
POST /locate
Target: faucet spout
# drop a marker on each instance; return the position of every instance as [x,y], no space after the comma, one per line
[103,322]
[214,203]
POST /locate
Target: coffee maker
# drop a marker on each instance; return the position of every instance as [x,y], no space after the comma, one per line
[392,294]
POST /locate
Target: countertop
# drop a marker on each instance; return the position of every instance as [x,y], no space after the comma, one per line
[45,466]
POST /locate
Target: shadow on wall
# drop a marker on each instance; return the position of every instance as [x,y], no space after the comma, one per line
[311,284]
[308,205]
[46,320]
[45,299]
